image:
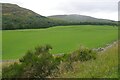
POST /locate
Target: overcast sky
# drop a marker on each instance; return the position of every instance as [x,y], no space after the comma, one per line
[106,9]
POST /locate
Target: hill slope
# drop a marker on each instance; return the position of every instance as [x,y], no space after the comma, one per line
[81,18]
[15,17]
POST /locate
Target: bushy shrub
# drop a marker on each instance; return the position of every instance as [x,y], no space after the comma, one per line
[82,54]
[38,64]
[42,49]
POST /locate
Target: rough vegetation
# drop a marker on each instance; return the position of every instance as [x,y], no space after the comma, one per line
[83,54]
[105,66]
[41,64]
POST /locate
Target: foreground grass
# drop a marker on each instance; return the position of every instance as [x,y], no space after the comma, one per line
[63,39]
[105,66]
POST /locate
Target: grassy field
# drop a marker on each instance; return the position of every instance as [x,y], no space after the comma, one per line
[105,66]
[63,39]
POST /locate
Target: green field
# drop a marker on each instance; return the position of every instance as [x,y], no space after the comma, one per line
[63,39]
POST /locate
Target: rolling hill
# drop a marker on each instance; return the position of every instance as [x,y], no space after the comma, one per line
[74,18]
[16,17]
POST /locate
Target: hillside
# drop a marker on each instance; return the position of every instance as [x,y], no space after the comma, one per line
[81,19]
[16,17]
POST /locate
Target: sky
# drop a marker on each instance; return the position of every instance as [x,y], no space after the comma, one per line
[105,9]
